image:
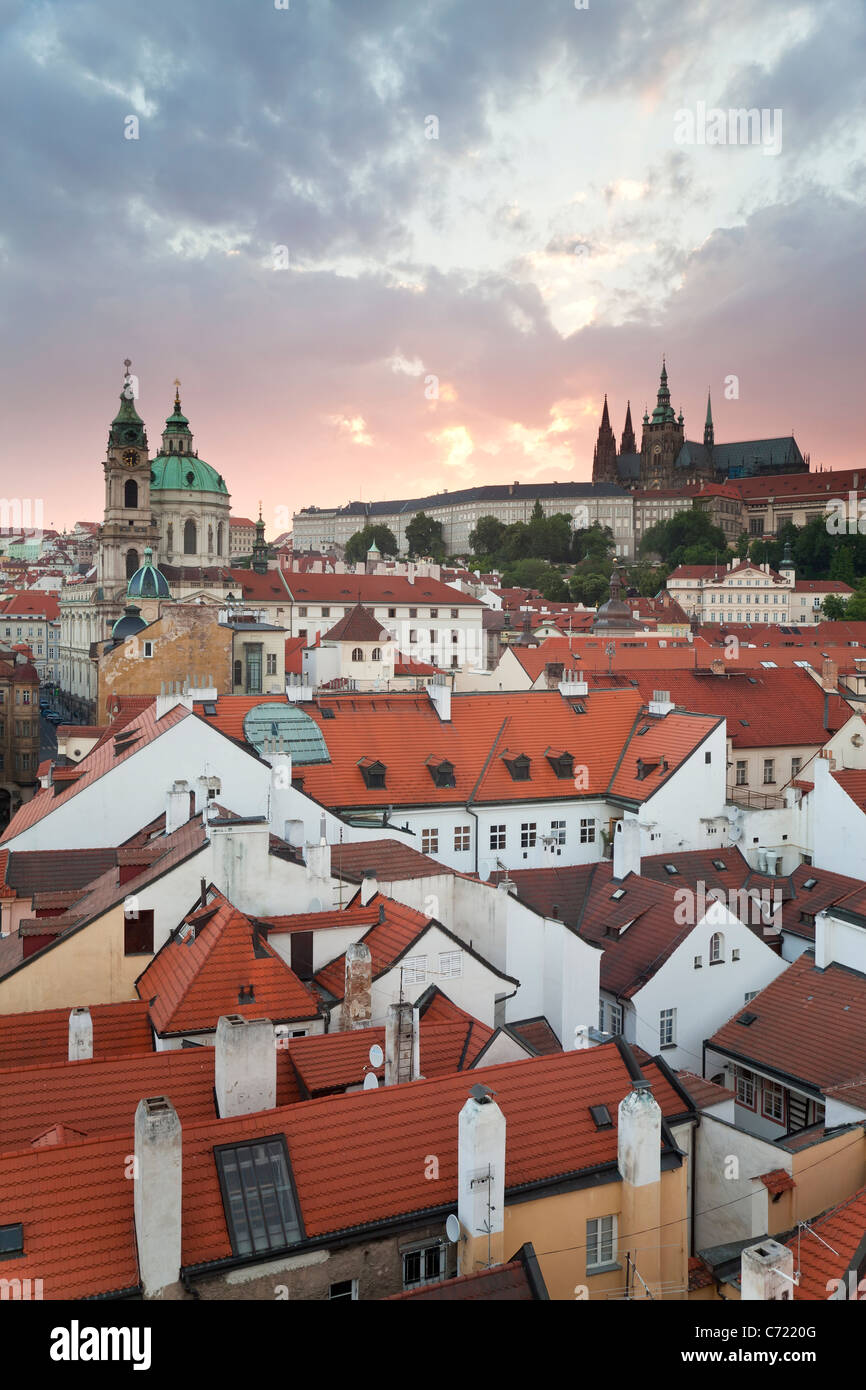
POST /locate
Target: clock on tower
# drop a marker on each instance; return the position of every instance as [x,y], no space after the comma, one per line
[130,458]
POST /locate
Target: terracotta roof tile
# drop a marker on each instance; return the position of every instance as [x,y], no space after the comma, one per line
[387,941]
[119,1030]
[843,1228]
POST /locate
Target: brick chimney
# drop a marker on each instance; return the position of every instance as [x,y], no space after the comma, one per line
[245,1065]
[157,1194]
[767,1272]
[717,666]
[829,674]
[481,1181]
[80,1035]
[357,1008]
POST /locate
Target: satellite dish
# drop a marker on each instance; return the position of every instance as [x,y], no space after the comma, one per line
[377,1056]
[296,833]
[485,870]
[371,1081]
[452,1228]
[314,905]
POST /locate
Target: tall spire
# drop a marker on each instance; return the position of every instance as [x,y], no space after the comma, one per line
[628,445]
[127,427]
[604,458]
[709,438]
[664,410]
[605,418]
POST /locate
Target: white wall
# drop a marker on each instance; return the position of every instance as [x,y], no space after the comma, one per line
[731,1202]
[678,816]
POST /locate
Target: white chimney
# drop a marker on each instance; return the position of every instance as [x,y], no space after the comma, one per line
[481,1181]
[661,702]
[440,698]
[369,886]
[402,1044]
[626,848]
[281,797]
[572,683]
[165,703]
[80,1035]
[639,1133]
[176,807]
[767,1272]
[357,1007]
[157,1194]
[245,1065]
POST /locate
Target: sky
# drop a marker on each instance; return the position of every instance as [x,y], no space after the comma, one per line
[395,246]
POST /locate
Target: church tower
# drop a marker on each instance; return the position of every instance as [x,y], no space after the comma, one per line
[663,438]
[259,561]
[128,526]
[604,468]
[629,444]
[709,438]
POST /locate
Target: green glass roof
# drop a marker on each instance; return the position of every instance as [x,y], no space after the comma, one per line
[268,723]
[185,473]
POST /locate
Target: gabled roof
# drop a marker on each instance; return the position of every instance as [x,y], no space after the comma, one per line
[828,1247]
[192,981]
[47,870]
[378,589]
[391,860]
[119,1030]
[359,625]
[589,653]
[63,1195]
[703,1093]
[517,1281]
[808,1025]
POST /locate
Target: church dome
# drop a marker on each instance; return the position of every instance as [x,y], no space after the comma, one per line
[184,473]
[148,581]
[129,624]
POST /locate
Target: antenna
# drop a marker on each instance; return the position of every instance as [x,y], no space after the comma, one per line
[376,1055]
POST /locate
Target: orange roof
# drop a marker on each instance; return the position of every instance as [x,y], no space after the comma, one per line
[588,653]
[192,981]
[119,1030]
[76,1204]
[376,589]
[825,1249]
[396,928]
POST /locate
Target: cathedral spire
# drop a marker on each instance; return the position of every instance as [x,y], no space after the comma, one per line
[628,445]
[127,427]
[604,469]
[708,427]
[177,435]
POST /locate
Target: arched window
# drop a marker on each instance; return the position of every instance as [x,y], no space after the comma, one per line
[357,654]
[210,540]
[169,538]
[180,446]
[717,947]
[131,563]
[189,538]
[220,539]
[376,654]
[130,493]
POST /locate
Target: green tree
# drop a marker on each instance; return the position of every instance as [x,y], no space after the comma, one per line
[488,536]
[590,589]
[842,564]
[687,538]
[593,542]
[742,545]
[358,544]
[424,536]
[517,542]
[834,608]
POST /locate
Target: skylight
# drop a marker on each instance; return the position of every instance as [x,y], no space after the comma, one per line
[719,864]
[258,1199]
[619,893]
[810,884]
[601,1116]
[11,1240]
[747,1019]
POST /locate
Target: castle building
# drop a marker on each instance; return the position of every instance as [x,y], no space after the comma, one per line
[667,459]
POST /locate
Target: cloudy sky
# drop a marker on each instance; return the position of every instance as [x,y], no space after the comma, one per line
[391,246]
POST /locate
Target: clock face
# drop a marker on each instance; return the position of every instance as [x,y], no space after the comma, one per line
[130,458]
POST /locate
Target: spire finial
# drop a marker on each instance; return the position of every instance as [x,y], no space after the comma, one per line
[177,393]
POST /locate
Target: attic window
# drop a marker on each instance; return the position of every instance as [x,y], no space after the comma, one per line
[210,709]
[441,771]
[601,1116]
[579,709]
[11,1241]
[327,713]
[247,994]
[617,894]
[643,730]
[745,723]
[373,772]
[747,1019]
[810,884]
[258,1196]
[561,762]
[719,864]
[518,766]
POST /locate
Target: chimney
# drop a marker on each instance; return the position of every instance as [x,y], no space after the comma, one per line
[717,666]
[440,698]
[661,702]
[245,1065]
[281,796]
[157,1194]
[626,848]
[318,857]
[402,1044]
[176,807]
[572,683]
[369,886]
[357,1010]
[80,1035]
[481,1181]
[639,1134]
[829,675]
[767,1272]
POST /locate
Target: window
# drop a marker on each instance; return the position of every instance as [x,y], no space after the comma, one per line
[699,961]
[413,612]
[745,1088]
[258,1198]
[600,1242]
[415,970]
[741,774]
[773,1101]
[717,948]
[148,648]
[455,612]
[557,831]
[750,994]
[497,837]
[189,538]
[614,1018]
[373,773]
[462,837]
[587,832]
[796,764]
[392,612]
[238,673]
[357,654]
[326,612]
[429,841]
[450,964]
[768,771]
[735,954]
[302,612]
[376,654]
[347,1288]
[434,612]
[11,1241]
[518,767]
[423,1266]
[527,834]
[667,1027]
[138,934]
[272,663]
[708,757]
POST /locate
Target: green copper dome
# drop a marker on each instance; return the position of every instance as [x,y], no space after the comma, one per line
[185,473]
[148,581]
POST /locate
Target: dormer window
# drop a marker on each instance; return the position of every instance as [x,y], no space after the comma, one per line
[373,772]
[442,771]
[518,766]
[561,762]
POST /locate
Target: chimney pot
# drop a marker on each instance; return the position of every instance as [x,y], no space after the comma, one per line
[157,1193]
[80,1035]
[245,1065]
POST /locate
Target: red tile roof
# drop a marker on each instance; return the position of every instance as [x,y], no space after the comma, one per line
[703,1093]
[392,861]
[825,1249]
[809,1025]
[119,1030]
[777,1181]
[537,1034]
[76,1204]
[505,1283]
[47,870]
[387,941]
[586,653]
[378,589]
[358,625]
[191,982]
